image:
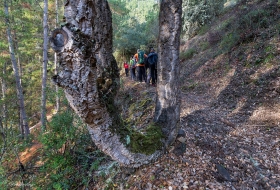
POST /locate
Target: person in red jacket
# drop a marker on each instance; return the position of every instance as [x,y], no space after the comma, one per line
[126,67]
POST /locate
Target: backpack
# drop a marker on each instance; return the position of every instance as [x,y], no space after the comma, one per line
[133,63]
[152,58]
[141,57]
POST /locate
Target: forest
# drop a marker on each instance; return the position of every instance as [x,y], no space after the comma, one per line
[71,119]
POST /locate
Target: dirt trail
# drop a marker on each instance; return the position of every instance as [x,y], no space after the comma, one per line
[30,153]
[225,149]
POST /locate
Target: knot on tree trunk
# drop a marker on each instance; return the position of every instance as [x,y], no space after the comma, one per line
[58,39]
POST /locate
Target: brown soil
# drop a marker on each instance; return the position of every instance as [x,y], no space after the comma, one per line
[30,154]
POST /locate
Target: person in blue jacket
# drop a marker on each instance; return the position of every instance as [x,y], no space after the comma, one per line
[153,59]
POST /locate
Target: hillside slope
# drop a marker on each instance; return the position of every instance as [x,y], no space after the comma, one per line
[230,106]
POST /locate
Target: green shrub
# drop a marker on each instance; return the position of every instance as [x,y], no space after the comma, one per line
[228,41]
[203,29]
[204,45]
[254,19]
[225,25]
[12,176]
[197,14]
[67,161]
[147,142]
[269,50]
[187,54]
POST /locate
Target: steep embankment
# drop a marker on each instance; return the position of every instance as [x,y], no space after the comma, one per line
[230,106]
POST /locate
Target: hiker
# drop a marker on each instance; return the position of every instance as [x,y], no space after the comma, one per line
[126,67]
[132,65]
[147,70]
[152,59]
[140,55]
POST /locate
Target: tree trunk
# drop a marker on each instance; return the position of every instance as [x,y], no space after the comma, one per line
[55,62]
[4,89]
[2,131]
[167,112]
[2,139]
[15,69]
[89,76]
[44,69]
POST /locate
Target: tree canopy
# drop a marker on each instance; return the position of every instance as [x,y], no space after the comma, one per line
[135,24]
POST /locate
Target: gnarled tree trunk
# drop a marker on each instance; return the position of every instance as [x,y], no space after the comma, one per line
[89,75]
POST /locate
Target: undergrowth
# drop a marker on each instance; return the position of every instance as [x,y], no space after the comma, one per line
[146,142]
[188,54]
[69,156]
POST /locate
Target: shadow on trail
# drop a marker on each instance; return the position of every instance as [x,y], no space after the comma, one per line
[224,130]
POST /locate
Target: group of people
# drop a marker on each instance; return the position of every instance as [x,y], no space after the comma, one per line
[143,67]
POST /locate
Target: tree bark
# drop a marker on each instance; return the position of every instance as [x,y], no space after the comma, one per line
[167,112]
[55,62]
[16,73]
[2,140]
[4,89]
[89,75]
[44,69]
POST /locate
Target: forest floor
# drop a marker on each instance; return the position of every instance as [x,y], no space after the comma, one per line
[230,109]
[229,144]
[31,152]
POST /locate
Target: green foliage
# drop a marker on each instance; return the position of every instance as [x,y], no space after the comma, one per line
[204,45]
[261,18]
[62,130]
[51,95]
[228,41]
[25,22]
[269,51]
[138,106]
[255,19]
[203,29]
[187,54]
[66,162]
[199,13]
[226,24]
[147,142]
[138,136]
[10,147]
[135,23]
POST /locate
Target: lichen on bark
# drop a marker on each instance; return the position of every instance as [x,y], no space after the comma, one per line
[89,75]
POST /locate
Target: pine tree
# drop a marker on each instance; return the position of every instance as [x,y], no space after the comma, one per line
[24,124]
[45,62]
